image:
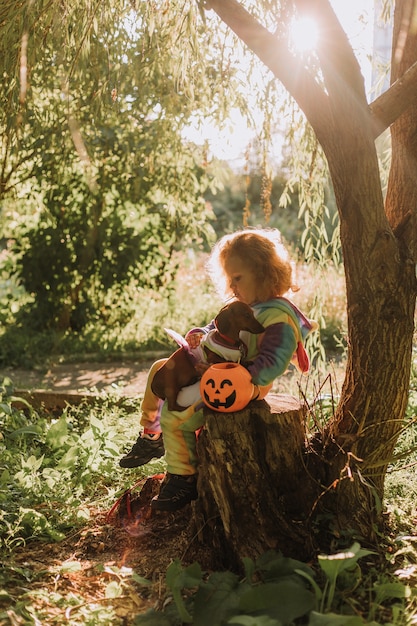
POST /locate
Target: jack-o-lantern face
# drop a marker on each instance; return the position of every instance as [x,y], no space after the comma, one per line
[226,387]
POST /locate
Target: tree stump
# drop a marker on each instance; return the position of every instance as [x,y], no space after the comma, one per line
[252,484]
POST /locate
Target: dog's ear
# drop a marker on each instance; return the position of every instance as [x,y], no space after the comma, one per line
[223,321]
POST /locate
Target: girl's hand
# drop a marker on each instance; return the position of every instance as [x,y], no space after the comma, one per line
[194,339]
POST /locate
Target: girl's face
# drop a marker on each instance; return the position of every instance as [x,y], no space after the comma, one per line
[241,280]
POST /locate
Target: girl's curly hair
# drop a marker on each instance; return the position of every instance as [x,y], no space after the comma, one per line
[260,250]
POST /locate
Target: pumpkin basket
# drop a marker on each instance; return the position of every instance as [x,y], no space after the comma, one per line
[226,387]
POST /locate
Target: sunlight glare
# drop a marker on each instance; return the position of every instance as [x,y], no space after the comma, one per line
[304,34]
[231,141]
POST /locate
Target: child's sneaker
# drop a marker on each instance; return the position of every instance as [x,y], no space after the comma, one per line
[143,451]
[176,492]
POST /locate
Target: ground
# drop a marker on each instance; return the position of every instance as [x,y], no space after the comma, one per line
[107,551]
[128,376]
[69,580]
[111,545]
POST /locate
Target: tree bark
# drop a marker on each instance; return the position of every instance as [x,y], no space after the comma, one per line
[254,489]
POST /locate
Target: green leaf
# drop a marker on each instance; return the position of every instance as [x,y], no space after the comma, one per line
[31,429]
[114,590]
[217,599]
[386,591]
[177,579]
[333,564]
[186,578]
[57,434]
[83,514]
[4,477]
[274,566]
[249,566]
[259,620]
[112,448]
[37,525]
[318,592]
[69,459]
[33,463]
[96,425]
[140,579]
[21,401]
[152,618]
[331,619]
[6,408]
[284,600]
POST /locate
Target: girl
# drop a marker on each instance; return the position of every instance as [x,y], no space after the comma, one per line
[251,265]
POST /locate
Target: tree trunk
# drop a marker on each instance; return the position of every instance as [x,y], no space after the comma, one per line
[378,244]
[255,492]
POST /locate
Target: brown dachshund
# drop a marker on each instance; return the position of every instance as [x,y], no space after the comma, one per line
[179,370]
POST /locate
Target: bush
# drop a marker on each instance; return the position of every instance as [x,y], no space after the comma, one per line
[132,320]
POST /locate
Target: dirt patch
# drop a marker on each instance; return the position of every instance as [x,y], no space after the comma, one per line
[127,378]
[107,551]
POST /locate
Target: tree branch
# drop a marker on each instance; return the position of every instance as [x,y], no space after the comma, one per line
[339,65]
[275,55]
[341,71]
[395,101]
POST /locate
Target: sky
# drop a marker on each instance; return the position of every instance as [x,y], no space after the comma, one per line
[356,18]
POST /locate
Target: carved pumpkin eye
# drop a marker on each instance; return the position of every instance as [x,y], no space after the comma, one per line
[226,387]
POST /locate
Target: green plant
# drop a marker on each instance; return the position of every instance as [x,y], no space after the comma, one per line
[132,320]
[98,184]
[57,486]
[52,468]
[336,566]
[276,590]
